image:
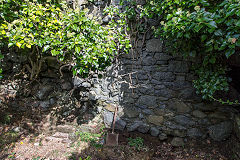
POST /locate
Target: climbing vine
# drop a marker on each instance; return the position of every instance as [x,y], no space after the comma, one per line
[205,29]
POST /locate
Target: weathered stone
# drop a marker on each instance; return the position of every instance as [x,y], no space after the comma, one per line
[189,93]
[179,106]
[184,120]
[204,107]
[177,142]
[179,133]
[220,131]
[143,128]
[108,118]
[195,133]
[162,56]
[178,66]
[86,84]
[130,112]
[165,93]
[77,81]
[110,107]
[157,120]
[162,136]
[154,131]
[172,125]
[134,126]
[148,101]
[120,124]
[147,111]
[199,114]
[218,115]
[44,92]
[163,76]
[148,61]
[149,90]
[204,122]
[154,45]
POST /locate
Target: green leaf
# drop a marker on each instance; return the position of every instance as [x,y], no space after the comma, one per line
[238,43]
[77,49]
[229,52]
[203,37]
[45,48]
[212,24]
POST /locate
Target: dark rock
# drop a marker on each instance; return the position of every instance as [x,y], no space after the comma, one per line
[120,124]
[195,133]
[199,114]
[143,128]
[157,120]
[134,126]
[165,93]
[44,92]
[162,136]
[148,61]
[145,100]
[154,45]
[179,106]
[204,107]
[163,76]
[179,133]
[162,56]
[184,120]
[220,131]
[147,111]
[172,125]
[154,131]
[177,142]
[149,90]
[52,101]
[130,112]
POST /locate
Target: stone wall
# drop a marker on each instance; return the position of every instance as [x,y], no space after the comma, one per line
[152,90]
[154,94]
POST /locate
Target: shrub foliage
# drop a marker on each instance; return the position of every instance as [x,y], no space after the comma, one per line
[206,29]
[73,36]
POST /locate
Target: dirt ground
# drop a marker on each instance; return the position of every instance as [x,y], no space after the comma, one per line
[61,147]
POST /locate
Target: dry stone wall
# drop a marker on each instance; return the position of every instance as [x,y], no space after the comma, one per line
[154,94]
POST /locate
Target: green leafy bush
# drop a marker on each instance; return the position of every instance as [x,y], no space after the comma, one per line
[206,29]
[73,36]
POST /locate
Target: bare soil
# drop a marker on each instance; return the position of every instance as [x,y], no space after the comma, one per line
[60,147]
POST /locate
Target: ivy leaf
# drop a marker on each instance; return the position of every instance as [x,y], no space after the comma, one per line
[212,24]
[18,44]
[78,49]
[28,46]
[238,43]
[238,23]
[229,52]
[45,48]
